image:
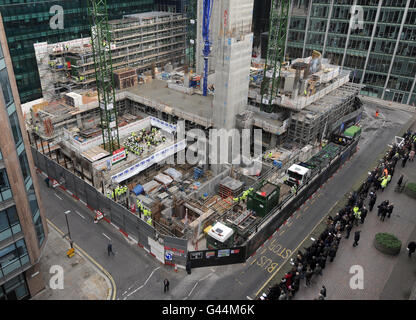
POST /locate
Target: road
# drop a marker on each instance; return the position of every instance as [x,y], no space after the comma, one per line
[245,280]
[139,276]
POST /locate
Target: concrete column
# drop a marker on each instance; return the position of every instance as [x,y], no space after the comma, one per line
[327,27]
[411,90]
[348,39]
[395,48]
[288,27]
[308,19]
[371,40]
[273,140]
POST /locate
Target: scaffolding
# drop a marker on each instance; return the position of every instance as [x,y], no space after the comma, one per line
[316,120]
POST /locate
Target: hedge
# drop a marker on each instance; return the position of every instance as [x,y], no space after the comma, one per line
[410,189]
[387,243]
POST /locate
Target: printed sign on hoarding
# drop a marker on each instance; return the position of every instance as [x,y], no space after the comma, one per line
[118,155]
[223,253]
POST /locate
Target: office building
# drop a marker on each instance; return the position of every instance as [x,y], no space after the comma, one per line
[23,227]
[27,23]
[381,53]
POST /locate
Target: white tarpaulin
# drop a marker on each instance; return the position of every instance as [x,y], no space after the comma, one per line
[146,163]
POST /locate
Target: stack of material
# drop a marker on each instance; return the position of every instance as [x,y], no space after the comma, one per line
[174,174]
[173,191]
[163,179]
[125,78]
[230,187]
[150,186]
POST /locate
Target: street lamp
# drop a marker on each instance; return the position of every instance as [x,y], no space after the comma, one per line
[67,225]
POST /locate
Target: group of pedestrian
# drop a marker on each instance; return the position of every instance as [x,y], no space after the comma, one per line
[310,264]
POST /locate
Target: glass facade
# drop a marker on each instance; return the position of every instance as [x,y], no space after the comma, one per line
[14,256]
[14,289]
[386,71]
[28,21]
[9,223]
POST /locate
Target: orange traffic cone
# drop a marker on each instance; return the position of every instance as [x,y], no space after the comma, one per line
[377,113]
[176,268]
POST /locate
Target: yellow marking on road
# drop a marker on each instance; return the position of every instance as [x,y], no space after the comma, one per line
[298,216]
[113,295]
[254,260]
[278,269]
[282,232]
[289,224]
[306,208]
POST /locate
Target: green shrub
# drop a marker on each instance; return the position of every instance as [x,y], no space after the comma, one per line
[410,189]
[387,243]
[411,186]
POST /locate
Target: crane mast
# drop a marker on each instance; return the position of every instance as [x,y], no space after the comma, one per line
[101,49]
[279,15]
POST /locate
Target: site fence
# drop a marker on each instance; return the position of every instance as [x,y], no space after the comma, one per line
[167,249]
[286,208]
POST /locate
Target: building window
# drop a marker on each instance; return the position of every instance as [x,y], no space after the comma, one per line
[5,86]
[39,229]
[32,200]
[9,223]
[14,122]
[5,190]
[24,165]
[14,289]
[13,257]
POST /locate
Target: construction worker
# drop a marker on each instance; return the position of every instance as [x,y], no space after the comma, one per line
[383,184]
[388,178]
[235,200]
[357,216]
[149,221]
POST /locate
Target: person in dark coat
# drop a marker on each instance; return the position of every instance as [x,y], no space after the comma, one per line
[356,238]
[322,261]
[390,210]
[348,228]
[363,214]
[308,277]
[166,285]
[411,247]
[399,182]
[383,213]
[332,253]
[404,160]
[110,249]
[373,199]
[323,291]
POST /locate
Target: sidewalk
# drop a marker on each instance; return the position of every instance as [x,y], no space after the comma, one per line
[388,104]
[82,280]
[385,277]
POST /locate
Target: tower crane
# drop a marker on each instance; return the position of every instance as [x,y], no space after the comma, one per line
[207,44]
[279,16]
[101,49]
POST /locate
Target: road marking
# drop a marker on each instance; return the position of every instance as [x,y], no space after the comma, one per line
[58,196]
[202,279]
[282,232]
[106,236]
[112,295]
[142,284]
[249,298]
[79,214]
[274,273]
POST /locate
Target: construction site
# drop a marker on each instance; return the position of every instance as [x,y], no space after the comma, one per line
[122,135]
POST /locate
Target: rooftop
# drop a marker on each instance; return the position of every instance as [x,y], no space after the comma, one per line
[194,105]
